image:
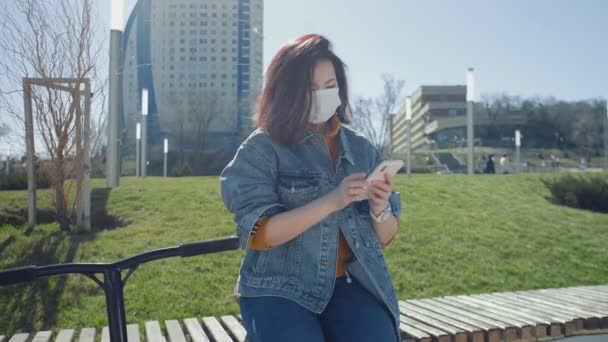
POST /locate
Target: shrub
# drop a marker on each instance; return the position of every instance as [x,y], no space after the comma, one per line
[583,192]
[182,170]
[18,181]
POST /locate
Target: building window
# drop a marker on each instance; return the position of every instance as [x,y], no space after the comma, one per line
[452,112]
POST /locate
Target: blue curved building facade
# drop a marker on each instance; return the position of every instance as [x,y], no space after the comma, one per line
[198,59]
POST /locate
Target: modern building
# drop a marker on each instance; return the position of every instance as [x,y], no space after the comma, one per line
[198,59]
[439,119]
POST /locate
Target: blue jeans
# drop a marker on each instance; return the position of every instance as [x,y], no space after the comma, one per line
[352,314]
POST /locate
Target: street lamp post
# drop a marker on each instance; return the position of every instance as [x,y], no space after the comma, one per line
[137,148]
[144,131]
[166,150]
[518,138]
[470,133]
[408,132]
[606,136]
[115,95]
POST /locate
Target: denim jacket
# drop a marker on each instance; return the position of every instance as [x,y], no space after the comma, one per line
[266,178]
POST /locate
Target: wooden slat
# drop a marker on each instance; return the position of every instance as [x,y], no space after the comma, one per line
[458,329]
[599,297]
[556,321]
[569,303]
[21,337]
[434,332]
[405,307]
[503,309]
[574,299]
[582,313]
[542,323]
[422,326]
[105,334]
[153,332]
[133,333]
[494,334]
[87,335]
[174,331]
[574,322]
[577,296]
[597,290]
[600,288]
[481,321]
[234,328]
[542,306]
[42,336]
[214,327]
[65,335]
[415,333]
[465,328]
[577,303]
[477,331]
[525,306]
[195,330]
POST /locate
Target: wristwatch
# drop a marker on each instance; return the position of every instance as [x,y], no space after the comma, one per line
[383,215]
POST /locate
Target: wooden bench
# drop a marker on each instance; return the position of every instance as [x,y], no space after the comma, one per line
[510,316]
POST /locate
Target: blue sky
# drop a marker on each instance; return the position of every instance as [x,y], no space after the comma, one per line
[520,47]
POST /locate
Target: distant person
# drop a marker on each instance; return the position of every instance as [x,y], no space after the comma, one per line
[311,226]
[582,163]
[490,165]
[504,164]
[482,163]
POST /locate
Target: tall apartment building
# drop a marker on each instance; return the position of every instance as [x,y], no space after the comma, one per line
[192,55]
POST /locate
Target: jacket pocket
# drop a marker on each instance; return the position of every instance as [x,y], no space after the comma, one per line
[296,188]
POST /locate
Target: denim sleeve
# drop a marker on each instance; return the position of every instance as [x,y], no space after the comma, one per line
[395,198]
[248,188]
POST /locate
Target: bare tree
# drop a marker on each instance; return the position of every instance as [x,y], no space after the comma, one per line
[178,126]
[371,115]
[202,109]
[4,129]
[53,39]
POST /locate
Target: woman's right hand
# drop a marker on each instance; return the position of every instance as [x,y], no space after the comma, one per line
[353,188]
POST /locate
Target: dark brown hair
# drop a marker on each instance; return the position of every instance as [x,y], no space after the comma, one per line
[284,105]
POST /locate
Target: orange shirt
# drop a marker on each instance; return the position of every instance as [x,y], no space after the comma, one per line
[258,238]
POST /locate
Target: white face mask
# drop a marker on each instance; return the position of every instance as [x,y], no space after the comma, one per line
[324,104]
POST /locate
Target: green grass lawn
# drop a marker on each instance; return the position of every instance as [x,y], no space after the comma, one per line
[459,235]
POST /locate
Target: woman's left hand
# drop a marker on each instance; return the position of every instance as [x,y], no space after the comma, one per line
[379,192]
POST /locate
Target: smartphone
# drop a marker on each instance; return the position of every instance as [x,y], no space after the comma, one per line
[388,166]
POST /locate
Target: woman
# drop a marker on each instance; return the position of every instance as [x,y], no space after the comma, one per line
[311,226]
